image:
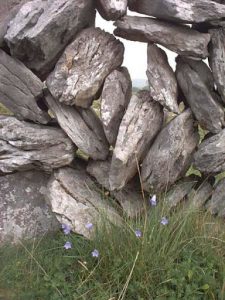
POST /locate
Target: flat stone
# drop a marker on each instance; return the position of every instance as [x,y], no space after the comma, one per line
[171,154]
[182,11]
[161,78]
[216,205]
[73,198]
[82,126]
[130,197]
[198,197]
[20,90]
[141,123]
[83,67]
[115,97]
[24,213]
[193,78]
[178,38]
[26,146]
[210,157]
[43,28]
[111,9]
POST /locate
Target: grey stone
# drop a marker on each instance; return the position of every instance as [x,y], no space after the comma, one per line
[178,38]
[73,198]
[26,146]
[42,28]
[171,154]
[20,90]
[115,97]
[83,67]
[210,157]
[216,205]
[184,11]
[161,78]
[82,126]
[112,9]
[130,197]
[198,197]
[193,78]
[140,124]
[24,213]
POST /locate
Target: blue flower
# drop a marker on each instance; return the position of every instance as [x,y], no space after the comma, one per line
[153,201]
[164,221]
[66,229]
[89,226]
[138,233]
[67,245]
[95,253]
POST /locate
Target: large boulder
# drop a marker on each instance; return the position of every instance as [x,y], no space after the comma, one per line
[83,67]
[24,213]
[26,146]
[42,28]
[111,9]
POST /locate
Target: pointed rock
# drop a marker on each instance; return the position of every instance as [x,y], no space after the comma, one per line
[26,146]
[216,205]
[82,69]
[193,78]
[21,90]
[42,28]
[178,38]
[161,78]
[115,97]
[140,124]
[171,154]
[112,9]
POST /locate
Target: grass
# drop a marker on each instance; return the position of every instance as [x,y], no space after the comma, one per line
[182,260]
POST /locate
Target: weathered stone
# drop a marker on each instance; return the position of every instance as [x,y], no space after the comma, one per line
[112,9]
[162,80]
[26,146]
[183,11]
[198,197]
[23,211]
[210,157]
[82,69]
[140,124]
[178,38]
[42,28]
[130,197]
[82,126]
[171,154]
[73,197]
[115,97]
[216,205]
[193,78]
[216,59]
[21,90]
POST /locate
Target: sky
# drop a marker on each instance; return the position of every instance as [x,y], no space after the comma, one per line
[135,57]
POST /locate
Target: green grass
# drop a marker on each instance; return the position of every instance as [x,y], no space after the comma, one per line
[182,260]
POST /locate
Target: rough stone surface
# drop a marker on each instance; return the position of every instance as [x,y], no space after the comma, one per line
[26,146]
[23,211]
[75,201]
[178,38]
[216,205]
[21,90]
[216,59]
[82,126]
[198,197]
[42,28]
[83,67]
[112,9]
[210,157]
[130,197]
[193,79]
[140,124]
[162,80]
[115,97]
[184,11]
[171,153]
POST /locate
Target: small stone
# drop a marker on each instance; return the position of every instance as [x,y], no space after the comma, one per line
[111,9]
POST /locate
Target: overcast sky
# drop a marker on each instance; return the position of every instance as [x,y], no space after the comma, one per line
[135,58]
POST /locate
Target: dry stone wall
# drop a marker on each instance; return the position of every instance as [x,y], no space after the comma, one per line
[54,63]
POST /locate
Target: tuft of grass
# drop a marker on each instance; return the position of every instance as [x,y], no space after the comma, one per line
[181,260]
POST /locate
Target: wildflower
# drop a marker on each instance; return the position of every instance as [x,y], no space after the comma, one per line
[89,226]
[138,233]
[153,201]
[66,229]
[164,221]
[95,253]
[68,245]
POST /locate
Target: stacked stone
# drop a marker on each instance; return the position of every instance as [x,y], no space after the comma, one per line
[54,63]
